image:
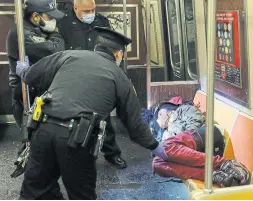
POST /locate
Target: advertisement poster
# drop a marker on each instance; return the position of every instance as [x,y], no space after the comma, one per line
[228,61]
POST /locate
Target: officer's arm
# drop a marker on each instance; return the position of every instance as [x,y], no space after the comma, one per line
[12,53]
[53,44]
[129,111]
[41,74]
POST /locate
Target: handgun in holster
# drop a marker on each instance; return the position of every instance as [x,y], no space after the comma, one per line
[82,132]
[100,139]
[36,113]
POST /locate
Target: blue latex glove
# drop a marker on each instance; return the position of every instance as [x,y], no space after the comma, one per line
[159,151]
[22,66]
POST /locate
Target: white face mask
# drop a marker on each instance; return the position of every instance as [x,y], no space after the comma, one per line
[49,25]
[118,63]
[88,18]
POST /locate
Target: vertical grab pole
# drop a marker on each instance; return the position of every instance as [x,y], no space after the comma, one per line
[125,32]
[211,34]
[21,49]
[148,45]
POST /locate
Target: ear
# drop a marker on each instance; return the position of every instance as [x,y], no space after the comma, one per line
[36,17]
[117,54]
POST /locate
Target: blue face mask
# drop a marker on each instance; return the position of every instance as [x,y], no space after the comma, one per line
[88,18]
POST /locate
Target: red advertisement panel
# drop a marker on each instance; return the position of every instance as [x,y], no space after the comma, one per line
[228,60]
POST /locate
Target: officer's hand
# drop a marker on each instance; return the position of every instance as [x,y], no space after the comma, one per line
[25,143]
[22,66]
[160,152]
[21,149]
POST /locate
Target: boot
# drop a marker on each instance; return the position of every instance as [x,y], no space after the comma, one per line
[238,170]
[117,161]
[222,179]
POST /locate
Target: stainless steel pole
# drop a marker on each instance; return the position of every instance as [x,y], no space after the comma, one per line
[20,29]
[148,45]
[125,32]
[21,49]
[211,27]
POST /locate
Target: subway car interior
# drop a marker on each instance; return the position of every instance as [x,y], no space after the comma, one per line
[194,52]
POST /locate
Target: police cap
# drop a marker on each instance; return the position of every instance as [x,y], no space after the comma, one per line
[44,6]
[112,35]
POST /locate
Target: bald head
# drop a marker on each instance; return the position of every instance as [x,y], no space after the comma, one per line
[82,2]
[84,8]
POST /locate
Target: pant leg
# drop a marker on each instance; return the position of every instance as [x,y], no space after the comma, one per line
[77,168]
[170,169]
[42,173]
[110,147]
[181,149]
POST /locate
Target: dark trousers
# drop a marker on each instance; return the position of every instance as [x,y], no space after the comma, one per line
[51,158]
[110,147]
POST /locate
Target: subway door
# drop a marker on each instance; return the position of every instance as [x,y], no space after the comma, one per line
[189,39]
[174,43]
[181,40]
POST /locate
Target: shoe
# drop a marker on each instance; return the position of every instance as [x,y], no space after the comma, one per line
[222,179]
[117,161]
[238,170]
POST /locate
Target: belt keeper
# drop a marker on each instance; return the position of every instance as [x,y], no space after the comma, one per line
[71,124]
[44,119]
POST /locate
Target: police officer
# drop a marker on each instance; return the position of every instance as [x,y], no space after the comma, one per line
[77,30]
[41,39]
[77,25]
[80,82]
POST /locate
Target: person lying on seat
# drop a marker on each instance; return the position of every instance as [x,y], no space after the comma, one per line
[186,159]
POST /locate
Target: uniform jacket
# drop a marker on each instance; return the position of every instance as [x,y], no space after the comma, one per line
[78,35]
[82,82]
[37,45]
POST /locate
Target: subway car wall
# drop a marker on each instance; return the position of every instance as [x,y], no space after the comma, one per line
[6,21]
[167,48]
[136,52]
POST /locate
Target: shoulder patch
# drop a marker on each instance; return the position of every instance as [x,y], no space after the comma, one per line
[37,39]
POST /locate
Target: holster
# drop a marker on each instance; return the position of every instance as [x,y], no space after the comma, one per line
[82,131]
[31,124]
[99,139]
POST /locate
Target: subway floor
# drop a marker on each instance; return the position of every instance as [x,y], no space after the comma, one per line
[136,182]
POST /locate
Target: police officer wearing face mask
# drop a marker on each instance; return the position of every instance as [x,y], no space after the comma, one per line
[77,30]
[41,39]
[77,25]
[80,83]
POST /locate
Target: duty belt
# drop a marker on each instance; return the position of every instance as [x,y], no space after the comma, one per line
[67,123]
